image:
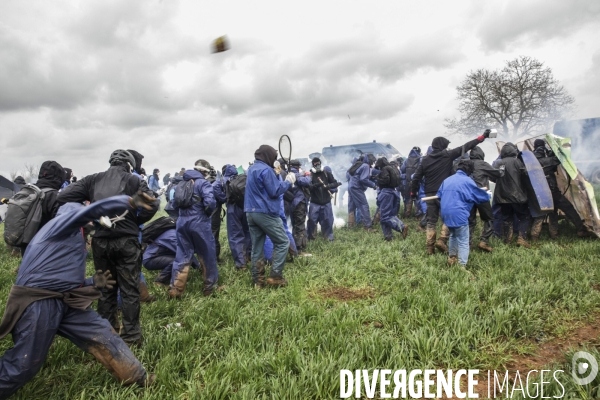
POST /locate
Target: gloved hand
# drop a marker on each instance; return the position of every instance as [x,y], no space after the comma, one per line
[103,280]
[334,185]
[307,173]
[277,167]
[486,133]
[142,200]
[291,178]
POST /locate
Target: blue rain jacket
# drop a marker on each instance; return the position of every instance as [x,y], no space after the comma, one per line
[263,189]
[458,194]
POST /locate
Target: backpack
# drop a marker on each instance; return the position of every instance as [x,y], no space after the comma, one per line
[156,228]
[184,196]
[355,167]
[235,189]
[24,215]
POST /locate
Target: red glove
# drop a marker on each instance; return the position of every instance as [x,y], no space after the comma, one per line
[481,138]
[307,173]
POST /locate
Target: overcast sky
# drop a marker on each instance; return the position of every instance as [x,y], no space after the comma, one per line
[79,79]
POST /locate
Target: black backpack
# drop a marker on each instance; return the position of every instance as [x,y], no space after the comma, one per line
[355,167]
[24,215]
[184,196]
[156,228]
[235,189]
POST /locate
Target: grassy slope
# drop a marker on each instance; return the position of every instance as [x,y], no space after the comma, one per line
[291,343]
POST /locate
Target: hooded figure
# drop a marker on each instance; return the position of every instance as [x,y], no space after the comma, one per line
[408,168]
[52,296]
[482,174]
[262,205]
[68,176]
[238,233]
[550,163]
[388,199]
[117,249]
[166,179]
[169,193]
[50,179]
[195,235]
[137,168]
[510,194]
[322,187]
[435,168]
[19,180]
[359,182]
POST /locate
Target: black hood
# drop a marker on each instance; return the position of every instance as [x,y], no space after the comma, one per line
[266,154]
[509,150]
[440,143]
[381,162]
[138,160]
[52,175]
[68,174]
[466,166]
[19,180]
[477,153]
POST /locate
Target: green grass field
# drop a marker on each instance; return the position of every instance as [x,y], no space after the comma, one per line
[410,312]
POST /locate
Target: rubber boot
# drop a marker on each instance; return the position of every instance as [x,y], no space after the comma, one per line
[536,229]
[259,281]
[145,296]
[553,225]
[377,217]
[408,211]
[351,220]
[521,242]
[441,243]
[430,240]
[507,232]
[176,291]
[484,246]
[452,260]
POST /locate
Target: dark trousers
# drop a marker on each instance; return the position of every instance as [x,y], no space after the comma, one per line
[215,226]
[122,257]
[521,211]
[561,203]
[33,335]
[487,216]
[299,225]
[433,213]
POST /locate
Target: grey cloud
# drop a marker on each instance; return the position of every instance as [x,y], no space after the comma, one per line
[534,21]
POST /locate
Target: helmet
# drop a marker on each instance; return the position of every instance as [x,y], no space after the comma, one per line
[123,156]
[202,166]
[295,163]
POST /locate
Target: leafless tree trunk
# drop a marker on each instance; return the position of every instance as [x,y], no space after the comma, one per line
[31,173]
[13,174]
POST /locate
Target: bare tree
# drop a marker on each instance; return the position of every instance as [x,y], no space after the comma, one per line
[13,174]
[521,99]
[31,172]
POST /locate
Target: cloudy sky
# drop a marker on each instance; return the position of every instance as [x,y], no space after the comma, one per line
[79,79]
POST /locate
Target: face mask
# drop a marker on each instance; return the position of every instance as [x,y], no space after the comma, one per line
[317,167]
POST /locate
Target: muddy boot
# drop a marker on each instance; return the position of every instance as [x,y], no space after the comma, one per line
[405,232]
[452,260]
[145,296]
[484,246]
[351,220]
[370,230]
[507,232]
[441,243]
[553,225]
[430,240]
[521,242]
[408,211]
[536,229]
[176,291]
[259,280]
[276,281]
[377,217]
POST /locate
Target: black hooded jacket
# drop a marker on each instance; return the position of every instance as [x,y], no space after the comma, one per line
[389,177]
[510,188]
[114,181]
[322,181]
[437,166]
[483,172]
[51,176]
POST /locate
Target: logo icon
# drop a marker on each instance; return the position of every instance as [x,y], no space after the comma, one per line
[583,363]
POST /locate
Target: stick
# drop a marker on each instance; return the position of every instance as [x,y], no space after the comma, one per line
[319,178]
[430,198]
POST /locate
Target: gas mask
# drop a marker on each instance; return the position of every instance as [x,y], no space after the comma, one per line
[316,168]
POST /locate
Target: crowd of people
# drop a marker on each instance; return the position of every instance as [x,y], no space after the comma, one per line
[52,296]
